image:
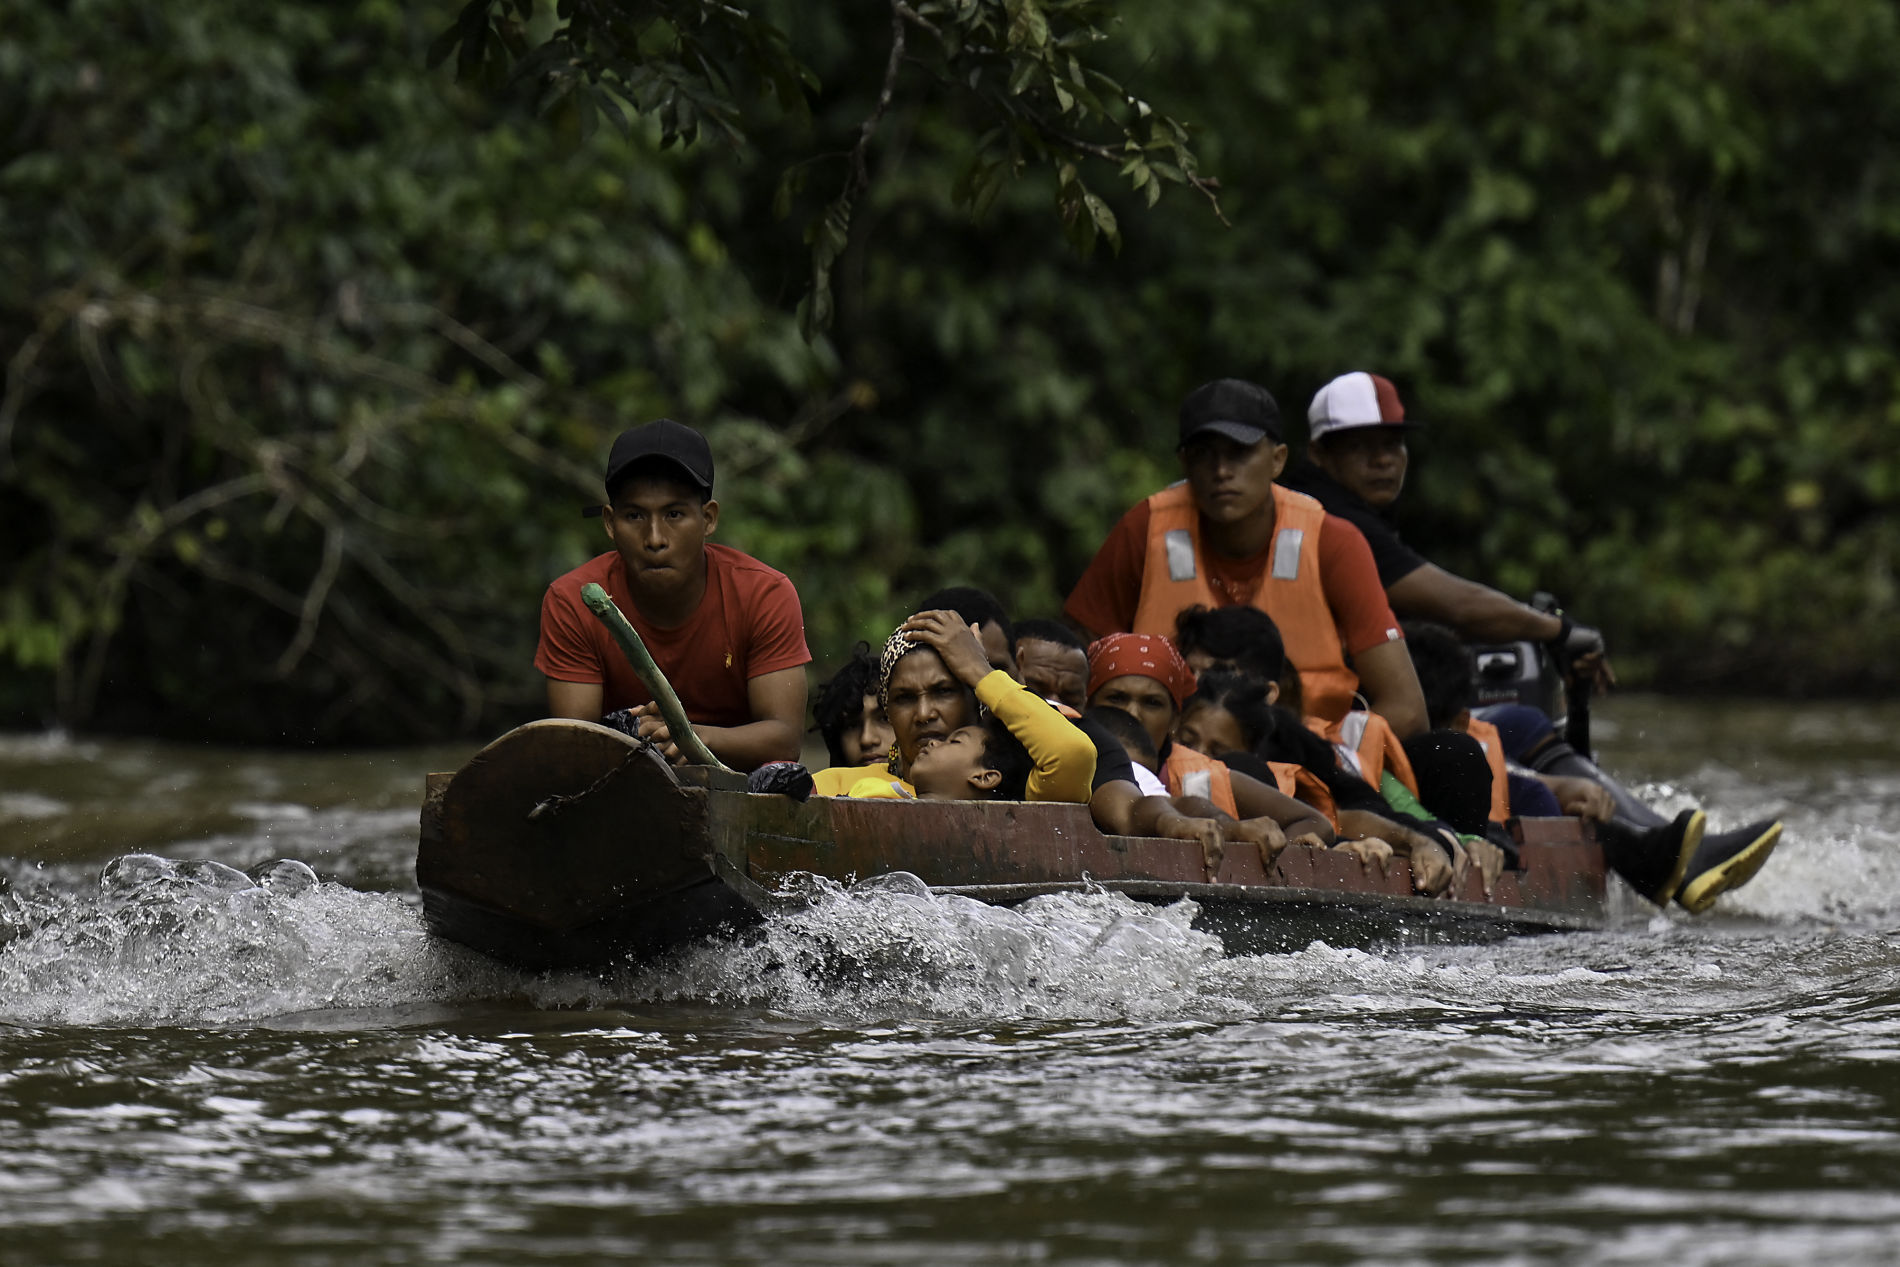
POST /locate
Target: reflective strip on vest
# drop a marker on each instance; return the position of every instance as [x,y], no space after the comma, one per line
[1286,554]
[1190,773]
[1350,760]
[1291,591]
[1180,547]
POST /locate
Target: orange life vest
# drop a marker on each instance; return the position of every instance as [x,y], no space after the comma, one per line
[1366,746]
[1289,590]
[1493,744]
[1300,783]
[1189,773]
[1184,767]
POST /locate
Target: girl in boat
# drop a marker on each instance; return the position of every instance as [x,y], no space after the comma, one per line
[933,676]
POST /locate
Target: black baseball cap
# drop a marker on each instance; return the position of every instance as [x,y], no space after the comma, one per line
[666,441]
[1243,412]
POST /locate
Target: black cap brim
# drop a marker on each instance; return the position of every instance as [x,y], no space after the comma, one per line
[673,467]
[1238,432]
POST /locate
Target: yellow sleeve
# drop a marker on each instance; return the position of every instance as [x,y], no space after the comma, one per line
[838,780]
[882,787]
[1064,758]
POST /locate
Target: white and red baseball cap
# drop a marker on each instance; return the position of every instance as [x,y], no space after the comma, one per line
[1356,400]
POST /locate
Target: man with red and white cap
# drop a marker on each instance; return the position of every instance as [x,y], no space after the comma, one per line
[1355,466]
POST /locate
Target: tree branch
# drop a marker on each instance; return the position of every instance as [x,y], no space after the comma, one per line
[313,601]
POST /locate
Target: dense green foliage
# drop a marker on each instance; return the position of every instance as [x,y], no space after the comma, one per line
[312,354]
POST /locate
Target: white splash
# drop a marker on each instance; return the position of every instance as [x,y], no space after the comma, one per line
[888,946]
[168,942]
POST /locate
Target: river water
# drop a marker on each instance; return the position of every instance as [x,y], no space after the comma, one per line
[207,1066]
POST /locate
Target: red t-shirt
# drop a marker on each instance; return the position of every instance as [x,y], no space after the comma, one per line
[747,625]
[1106,598]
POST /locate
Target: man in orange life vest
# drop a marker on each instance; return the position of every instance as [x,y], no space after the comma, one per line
[1230,536]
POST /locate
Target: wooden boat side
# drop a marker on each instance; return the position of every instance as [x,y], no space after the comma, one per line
[1039,848]
[566,844]
[526,852]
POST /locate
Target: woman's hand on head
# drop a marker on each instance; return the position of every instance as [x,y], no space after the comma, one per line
[955,643]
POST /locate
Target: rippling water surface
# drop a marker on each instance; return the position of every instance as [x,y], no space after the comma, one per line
[224,1037]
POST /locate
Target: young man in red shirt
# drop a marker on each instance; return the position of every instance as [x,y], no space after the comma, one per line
[725,629]
[1229,536]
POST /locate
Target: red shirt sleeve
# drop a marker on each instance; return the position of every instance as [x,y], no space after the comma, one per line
[1105,600]
[777,628]
[569,650]
[1353,591]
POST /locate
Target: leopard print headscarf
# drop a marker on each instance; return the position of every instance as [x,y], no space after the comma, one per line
[896,647]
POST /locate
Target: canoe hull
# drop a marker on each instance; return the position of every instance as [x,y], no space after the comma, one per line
[568,845]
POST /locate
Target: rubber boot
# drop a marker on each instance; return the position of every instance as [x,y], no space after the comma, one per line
[1640,847]
[1653,860]
[1727,860]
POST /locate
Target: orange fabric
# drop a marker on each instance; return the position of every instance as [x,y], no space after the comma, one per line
[1300,783]
[1183,761]
[1108,593]
[1297,604]
[1493,744]
[1368,739]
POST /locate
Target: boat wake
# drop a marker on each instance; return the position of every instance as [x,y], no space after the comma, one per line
[888,946]
[160,941]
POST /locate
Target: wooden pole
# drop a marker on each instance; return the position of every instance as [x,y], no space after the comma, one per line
[689,744]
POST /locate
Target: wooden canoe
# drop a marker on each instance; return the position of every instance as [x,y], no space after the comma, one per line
[564,844]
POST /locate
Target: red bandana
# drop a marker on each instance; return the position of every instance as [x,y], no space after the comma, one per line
[1140,655]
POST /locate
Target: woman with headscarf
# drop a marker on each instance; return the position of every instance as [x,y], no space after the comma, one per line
[934,681]
[1145,677]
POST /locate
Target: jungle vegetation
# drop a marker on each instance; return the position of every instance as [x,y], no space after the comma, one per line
[320,317]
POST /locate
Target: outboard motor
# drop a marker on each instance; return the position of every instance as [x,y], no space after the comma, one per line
[1517,673]
[1521,672]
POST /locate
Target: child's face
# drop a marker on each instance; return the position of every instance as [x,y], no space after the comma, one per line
[953,768]
[868,742]
[1209,730]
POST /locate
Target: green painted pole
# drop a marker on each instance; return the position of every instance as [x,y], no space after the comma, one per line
[695,750]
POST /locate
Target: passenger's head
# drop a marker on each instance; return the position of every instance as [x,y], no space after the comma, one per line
[1445,669]
[1232,448]
[1144,676]
[921,697]
[848,714]
[1238,639]
[1052,661]
[979,607]
[659,509]
[1453,778]
[1129,733]
[1356,434]
[1228,712]
[981,761]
